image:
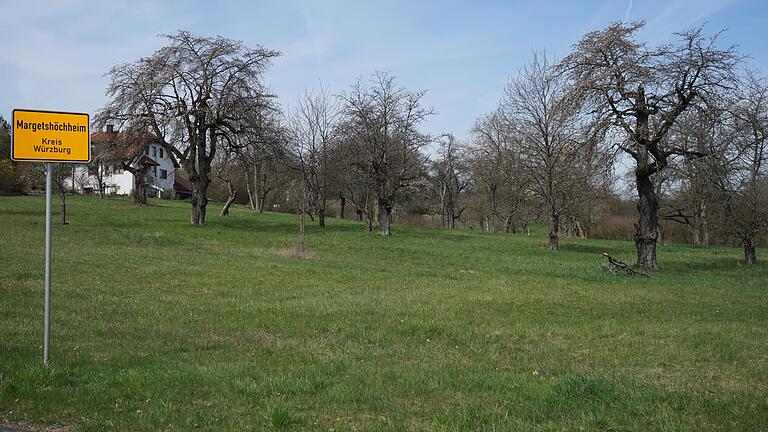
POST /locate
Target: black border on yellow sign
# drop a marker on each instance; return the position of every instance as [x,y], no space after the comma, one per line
[79,161]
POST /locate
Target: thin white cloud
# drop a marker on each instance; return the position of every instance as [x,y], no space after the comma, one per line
[628,11]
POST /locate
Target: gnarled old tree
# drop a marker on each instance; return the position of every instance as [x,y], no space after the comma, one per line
[560,143]
[312,139]
[644,90]
[382,121]
[193,94]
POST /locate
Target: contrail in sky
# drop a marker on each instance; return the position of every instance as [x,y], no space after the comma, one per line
[626,12]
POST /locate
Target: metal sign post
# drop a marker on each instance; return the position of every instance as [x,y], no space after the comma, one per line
[50,136]
[48,199]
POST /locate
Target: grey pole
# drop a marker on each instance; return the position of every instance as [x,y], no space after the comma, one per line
[48,199]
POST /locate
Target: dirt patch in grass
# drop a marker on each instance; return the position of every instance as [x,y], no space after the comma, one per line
[296,253]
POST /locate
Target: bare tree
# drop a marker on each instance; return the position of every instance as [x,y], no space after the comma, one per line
[738,166]
[692,196]
[355,183]
[313,128]
[498,172]
[560,144]
[194,95]
[81,178]
[263,157]
[60,174]
[644,90]
[382,120]
[451,178]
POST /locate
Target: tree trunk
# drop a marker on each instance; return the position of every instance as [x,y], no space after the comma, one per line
[580,231]
[302,244]
[342,205]
[251,200]
[488,224]
[102,186]
[508,225]
[554,227]
[450,220]
[384,213]
[230,200]
[199,198]
[321,202]
[63,209]
[139,186]
[700,225]
[261,200]
[750,251]
[369,222]
[647,226]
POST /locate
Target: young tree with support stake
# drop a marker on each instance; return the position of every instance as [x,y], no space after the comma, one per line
[644,90]
[193,94]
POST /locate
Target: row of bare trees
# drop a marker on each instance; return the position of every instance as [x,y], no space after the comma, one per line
[691,123]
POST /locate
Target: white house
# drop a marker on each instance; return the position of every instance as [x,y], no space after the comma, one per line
[145,155]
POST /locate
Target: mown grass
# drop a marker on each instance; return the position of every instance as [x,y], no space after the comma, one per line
[158,325]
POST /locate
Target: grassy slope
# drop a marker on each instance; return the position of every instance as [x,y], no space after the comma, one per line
[160,325]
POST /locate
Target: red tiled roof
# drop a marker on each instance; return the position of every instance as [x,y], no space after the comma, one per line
[104,136]
[181,184]
[146,160]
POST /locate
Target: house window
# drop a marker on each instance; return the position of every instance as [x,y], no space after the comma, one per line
[146,151]
[161,153]
[154,171]
[117,169]
[154,151]
[163,174]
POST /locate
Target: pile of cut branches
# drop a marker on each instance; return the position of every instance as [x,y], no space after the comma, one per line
[615,265]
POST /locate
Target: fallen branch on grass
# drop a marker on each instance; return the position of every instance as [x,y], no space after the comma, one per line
[615,265]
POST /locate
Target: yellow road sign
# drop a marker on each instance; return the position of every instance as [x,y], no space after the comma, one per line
[50,136]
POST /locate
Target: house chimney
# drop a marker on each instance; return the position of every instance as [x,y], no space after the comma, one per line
[110,128]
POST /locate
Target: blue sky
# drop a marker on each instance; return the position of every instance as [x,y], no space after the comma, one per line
[54,53]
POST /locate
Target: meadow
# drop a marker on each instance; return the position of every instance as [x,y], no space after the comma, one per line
[159,325]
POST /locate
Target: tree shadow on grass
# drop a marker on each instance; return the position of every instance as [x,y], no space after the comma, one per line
[728,263]
[268,224]
[7,211]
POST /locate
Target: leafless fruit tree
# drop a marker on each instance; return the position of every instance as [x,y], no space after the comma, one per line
[644,90]
[192,94]
[382,121]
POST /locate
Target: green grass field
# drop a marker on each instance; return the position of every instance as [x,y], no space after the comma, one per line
[158,325]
